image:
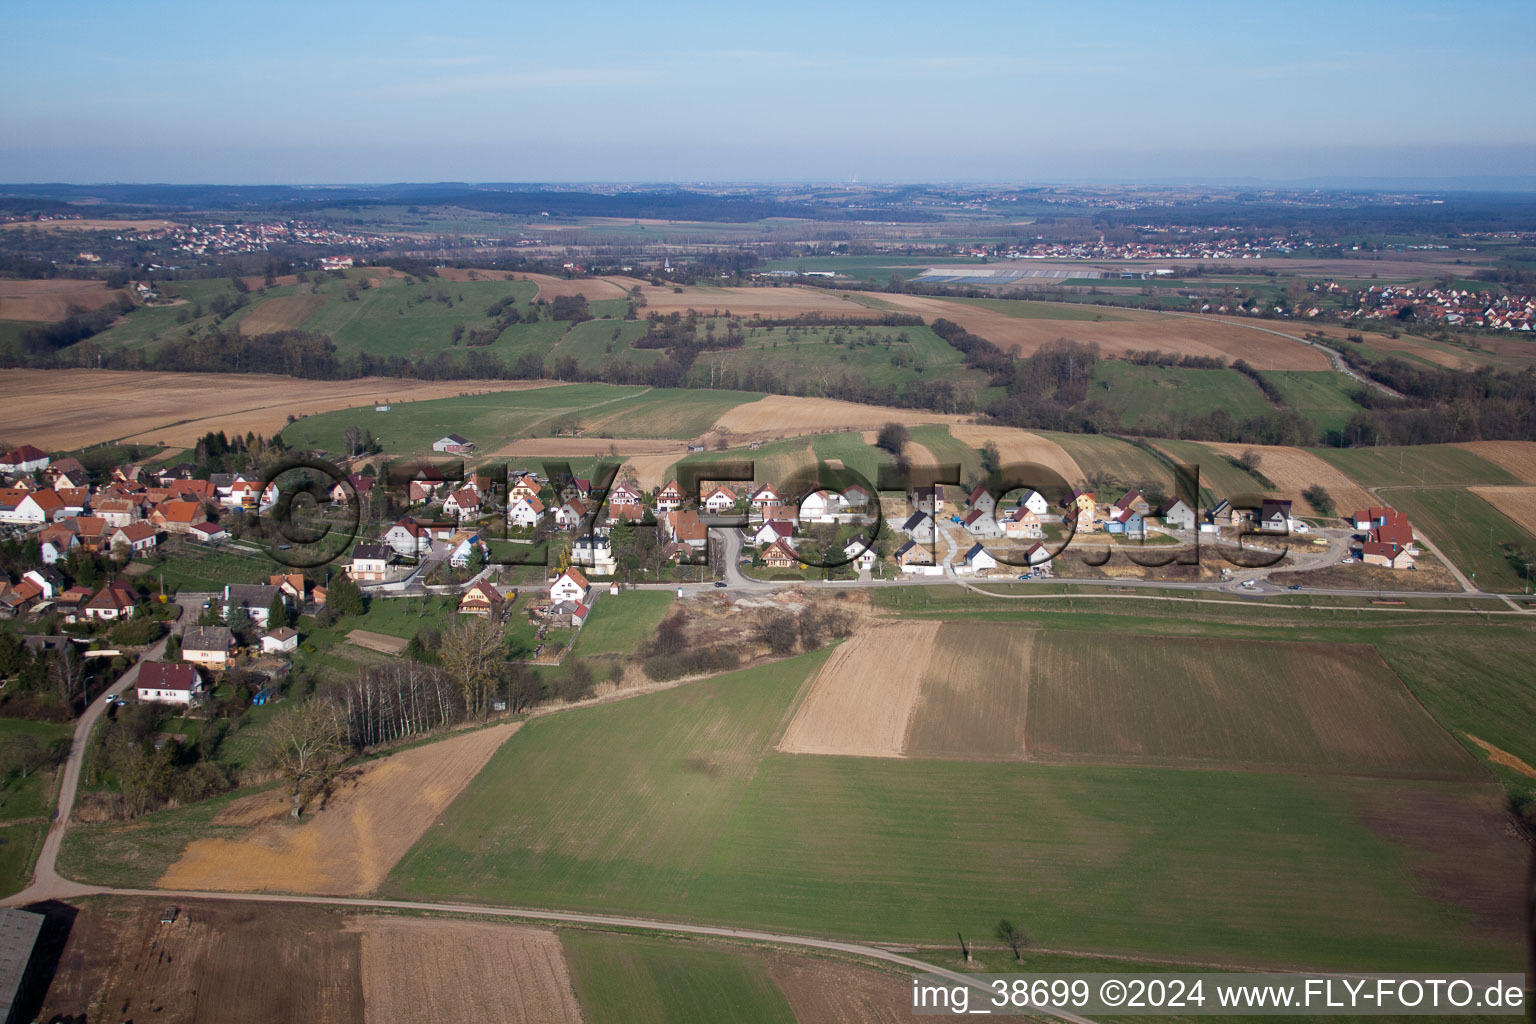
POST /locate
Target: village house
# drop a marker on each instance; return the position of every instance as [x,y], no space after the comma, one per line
[594,551]
[284,640]
[162,682]
[669,498]
[49,581]
[720,500]
[113,602]
[772,530]
[255,598]
[464,548]
[71,602]
[1275,515]
[780,555]
[29,508]
[820,506]
[982,499]
[525,512]
[1134,501]
[463,503]
[370,563]
[408,538]
[979,522]
[524,486]
[208,645]
[570,514]
[625,514]
[766,501]
[360,486]
[92,531]
[1039,559]
[74,501]
[25,459]
[1125,522]
[136,538]
[861,555]
[484,600]
[178,516]
[1389,542]
[118,512]
[454,444]
[920,527]
[570,585]
[914,557]
[685,527]
[927,499]
[55,544]
[1022,523]
[292,584]
[1177,515]
[978,559]
[208,533]
[624,494]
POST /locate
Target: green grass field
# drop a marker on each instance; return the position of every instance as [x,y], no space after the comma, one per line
[1322,396]
[200,569]
[674,804]
[1098,454]
[19,845]
[598,343]
[1218,477]
[619,623]
[672,413]
[1151,397]
[812,358]
[1471,532]
[639,979]
[1421,464]
[30,797]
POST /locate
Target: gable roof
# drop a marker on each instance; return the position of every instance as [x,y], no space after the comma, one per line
[167,675]
[207,638]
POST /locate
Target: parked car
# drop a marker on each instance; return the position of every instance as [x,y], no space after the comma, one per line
[1294,586]
[720,584]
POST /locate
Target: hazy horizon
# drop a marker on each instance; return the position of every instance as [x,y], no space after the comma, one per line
[1129,93]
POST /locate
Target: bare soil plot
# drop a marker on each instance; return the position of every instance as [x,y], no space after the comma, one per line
[778,416]
[1517,503]
[1130,330]
[52,299]
[1020,446]
[347,847]
[827,992]
[431,969]
[594,288]
[861,701]
[1429,575]
[975,667]
[1334,708]
[1504,757]
[281,313]
[64,409]
[767,301]
[1518,458]
[381,642]
[1294,470]
[226,962]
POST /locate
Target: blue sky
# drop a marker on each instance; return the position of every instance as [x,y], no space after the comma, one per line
[1018,91]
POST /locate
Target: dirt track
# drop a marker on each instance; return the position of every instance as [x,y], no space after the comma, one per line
[348,847]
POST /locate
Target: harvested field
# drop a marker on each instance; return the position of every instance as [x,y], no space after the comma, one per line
[429,969]
[861,701]
[1294,470]
[86,224]
[282,313]
[1130,330]
[650,460]
[975,667]
[1518,458]
[234,963]
[827,992]
[992,691]
[64,409]
[785,416]
[594,288]
[256,281]
[1517,503]
[768,302]
[348,846]
[1017,446]
[381,642]
[52,299]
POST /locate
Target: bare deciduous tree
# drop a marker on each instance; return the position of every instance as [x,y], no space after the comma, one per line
[472,653]
[304,747]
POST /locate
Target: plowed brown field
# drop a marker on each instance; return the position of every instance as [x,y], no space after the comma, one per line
[347,847]
[1518,503]
[862,699]
[824,992]
[1515,457]
[1294,470]
[428,969]
[51,299]
[593,288]
[64,409]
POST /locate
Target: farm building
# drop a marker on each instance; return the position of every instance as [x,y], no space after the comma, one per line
[454,444]
[19,931]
